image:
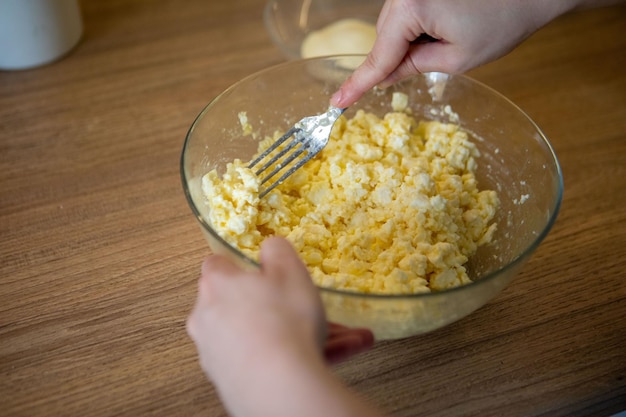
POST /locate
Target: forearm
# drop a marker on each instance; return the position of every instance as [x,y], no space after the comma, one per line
[545,11]
[590,4]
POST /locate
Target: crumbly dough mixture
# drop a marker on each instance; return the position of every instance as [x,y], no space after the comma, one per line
[390,206]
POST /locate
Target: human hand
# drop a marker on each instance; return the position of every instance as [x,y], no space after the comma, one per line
[343,342]
[248,323]
[242,315]
[461,35]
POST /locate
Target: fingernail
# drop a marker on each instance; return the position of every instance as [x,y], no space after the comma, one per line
[384,84]
[336,98]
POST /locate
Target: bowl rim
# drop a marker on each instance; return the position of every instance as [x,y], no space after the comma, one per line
[272,30]
[490,276]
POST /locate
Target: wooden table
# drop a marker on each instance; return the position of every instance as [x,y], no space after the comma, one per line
[99,252]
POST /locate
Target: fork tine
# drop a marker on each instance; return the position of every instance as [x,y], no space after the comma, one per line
[311,134]
[275,145]
[288,173]
[285,162]
[295,141]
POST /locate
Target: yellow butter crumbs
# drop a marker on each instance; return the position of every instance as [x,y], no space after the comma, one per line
[390,206]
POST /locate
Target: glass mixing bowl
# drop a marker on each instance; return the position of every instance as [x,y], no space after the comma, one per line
[516,160]
[288,22]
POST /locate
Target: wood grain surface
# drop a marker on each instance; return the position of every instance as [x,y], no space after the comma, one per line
[99,252]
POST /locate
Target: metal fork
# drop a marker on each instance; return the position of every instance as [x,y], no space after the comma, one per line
[309,135]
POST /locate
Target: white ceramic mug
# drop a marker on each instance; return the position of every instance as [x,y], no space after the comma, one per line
[37,32]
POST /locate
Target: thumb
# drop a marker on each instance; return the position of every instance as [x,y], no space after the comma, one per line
[279,258]
[280,262]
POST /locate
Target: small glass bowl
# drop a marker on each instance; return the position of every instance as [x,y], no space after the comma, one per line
[288,22]
[516,160]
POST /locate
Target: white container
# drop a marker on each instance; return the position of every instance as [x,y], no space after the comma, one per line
[37,32]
